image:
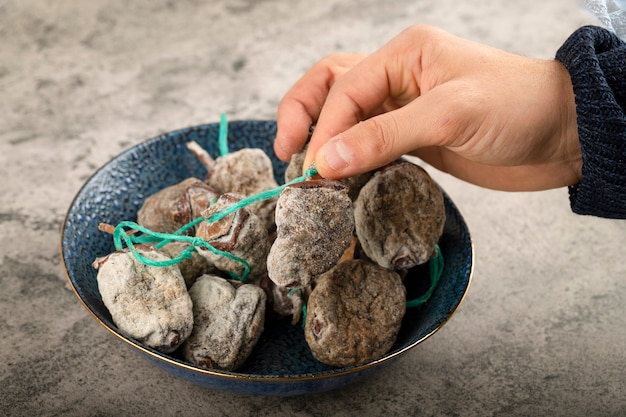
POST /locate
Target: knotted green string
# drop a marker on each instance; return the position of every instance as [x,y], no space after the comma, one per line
[121,237]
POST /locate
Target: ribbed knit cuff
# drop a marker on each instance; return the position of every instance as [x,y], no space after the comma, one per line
[596,61]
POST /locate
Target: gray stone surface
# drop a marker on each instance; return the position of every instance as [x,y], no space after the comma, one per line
[541,332]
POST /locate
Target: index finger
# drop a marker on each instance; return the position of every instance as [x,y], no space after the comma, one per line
[302,104]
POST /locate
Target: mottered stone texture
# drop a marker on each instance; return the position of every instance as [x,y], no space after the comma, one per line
[541,331]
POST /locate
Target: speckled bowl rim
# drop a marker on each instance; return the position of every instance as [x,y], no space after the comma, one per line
[234,376]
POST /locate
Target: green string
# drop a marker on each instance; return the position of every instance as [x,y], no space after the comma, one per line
[181,231]
[435,269]
[121,237]
[223,135]
[262,196]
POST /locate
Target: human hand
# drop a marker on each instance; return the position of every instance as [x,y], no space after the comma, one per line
[489,117]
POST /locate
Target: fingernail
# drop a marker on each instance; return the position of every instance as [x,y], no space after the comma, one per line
[337,155]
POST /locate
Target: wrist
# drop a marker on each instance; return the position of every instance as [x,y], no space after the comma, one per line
[569,124]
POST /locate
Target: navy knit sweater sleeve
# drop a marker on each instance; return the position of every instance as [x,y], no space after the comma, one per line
[596,61]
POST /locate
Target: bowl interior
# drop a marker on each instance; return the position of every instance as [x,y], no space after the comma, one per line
[116,192]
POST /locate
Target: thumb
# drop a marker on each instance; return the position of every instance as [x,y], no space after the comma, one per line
[366,146]
[376,142]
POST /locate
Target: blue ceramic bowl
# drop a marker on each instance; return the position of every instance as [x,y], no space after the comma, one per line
[281,363]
